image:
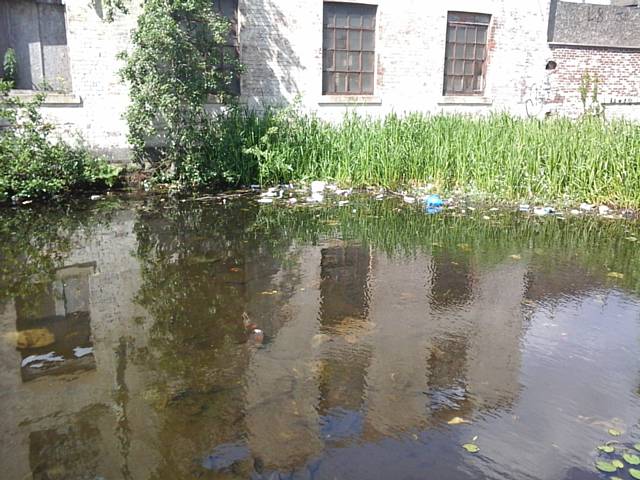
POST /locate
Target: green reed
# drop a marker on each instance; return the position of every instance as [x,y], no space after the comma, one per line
[499,156]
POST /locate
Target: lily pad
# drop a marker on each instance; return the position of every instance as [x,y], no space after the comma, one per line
[473,448]
[634,473]
[631,459]
[617,463]
[606,467]
[637,446]
[606,448]
[614,432]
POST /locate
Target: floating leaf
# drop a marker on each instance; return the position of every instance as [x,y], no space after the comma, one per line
[637,446]
[606,448]
[634,473]
[473,448]
[617,463]
[614,432]
[631,459]
[516,257]
[474,438]
[615,275]
[457,421]
[631,239]
[615,478]
[607,467]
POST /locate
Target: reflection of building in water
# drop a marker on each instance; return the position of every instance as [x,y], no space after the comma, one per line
[344,293]
[367,350]
[357,345]
[281,388]
[62,423]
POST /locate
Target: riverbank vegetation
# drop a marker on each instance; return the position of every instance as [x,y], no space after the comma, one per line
[34,162]
[499,156]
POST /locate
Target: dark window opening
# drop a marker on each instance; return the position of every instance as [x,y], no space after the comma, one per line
[348,46]
[466,53]
[230,51]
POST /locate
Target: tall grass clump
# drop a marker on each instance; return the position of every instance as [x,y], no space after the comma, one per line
[510,158]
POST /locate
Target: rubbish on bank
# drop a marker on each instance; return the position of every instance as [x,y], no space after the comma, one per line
[318,186]
[542,211]
[433,201]
[585,207]
[603,210]
[265,200]
[524,207]
[315,198]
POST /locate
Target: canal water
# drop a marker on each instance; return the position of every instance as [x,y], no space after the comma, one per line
[200,338]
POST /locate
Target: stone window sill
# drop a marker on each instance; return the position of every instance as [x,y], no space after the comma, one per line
[349,100]
[52,99]
[465,100]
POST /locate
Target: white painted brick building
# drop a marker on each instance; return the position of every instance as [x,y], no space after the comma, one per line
[281,44]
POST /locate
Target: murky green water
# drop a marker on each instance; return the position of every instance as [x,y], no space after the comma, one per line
[390,338]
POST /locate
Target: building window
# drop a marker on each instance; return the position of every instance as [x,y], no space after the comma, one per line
[348,49]
[36,31]
[230,52]
[466,53]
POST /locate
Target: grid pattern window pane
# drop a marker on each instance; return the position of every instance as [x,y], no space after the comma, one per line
[348,49]
[465,54]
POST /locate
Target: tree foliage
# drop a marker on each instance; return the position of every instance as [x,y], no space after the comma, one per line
[177,60]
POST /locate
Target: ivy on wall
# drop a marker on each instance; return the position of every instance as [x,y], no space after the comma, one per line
[176,61]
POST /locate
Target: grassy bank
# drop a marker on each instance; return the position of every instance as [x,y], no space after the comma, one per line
[501,156]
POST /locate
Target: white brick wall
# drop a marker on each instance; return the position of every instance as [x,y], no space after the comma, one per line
[281,48]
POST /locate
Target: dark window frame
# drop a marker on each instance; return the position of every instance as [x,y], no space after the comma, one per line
[345,56]
[465,59]
[231,48]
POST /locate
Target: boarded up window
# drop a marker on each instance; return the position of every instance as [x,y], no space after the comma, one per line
[36,31]
[348,49]
[466,53]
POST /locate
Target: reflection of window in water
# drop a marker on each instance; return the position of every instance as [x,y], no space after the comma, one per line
[344,291]
[344,288]
[54,327]
[447,376]
[452,281]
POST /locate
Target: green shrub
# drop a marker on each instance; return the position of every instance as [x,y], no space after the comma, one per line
[178,58]
[10,67]
[33,163]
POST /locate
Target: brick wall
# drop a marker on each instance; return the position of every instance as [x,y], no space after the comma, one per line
[281,48]
[617,73]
